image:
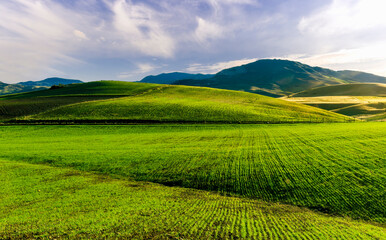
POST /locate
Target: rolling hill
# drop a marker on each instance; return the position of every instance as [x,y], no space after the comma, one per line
[365,101]
[135,102]
[169,78]
[353,89]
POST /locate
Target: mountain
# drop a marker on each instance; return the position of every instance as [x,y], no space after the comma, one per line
[279,77]
[353,89]
[169,78]
[274,77]
[360,77]
[127,102]
[6,88]
[29,86]
[48,82]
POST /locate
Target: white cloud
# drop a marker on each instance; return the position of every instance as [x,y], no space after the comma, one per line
[207,30]
[216,67]
[142,69]
[34,38]
[347,34]
[346,17]
[141,30]
[369,59]
[80,34]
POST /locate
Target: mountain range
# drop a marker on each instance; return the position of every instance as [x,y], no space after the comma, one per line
[29,86]
[275,78]
[270,77]
[170,78]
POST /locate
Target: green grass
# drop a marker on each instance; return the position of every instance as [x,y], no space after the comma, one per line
[97,88]
[352,89]
[42,202]
[188,104]
[369,108]
[18,105]
[333,168]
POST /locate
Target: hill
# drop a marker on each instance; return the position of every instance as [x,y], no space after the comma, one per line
[6,88]
[273,77]
[48,82]
[360,77]
[127,102]
[353,89]
[169,78]
[30,86]
[365,101]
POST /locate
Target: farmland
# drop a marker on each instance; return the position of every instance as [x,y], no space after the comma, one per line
[332,168]
[59,203]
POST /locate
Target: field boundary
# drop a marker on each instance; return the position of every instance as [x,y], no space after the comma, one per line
[139,122]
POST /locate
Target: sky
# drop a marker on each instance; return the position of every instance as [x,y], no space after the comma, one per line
[130,39]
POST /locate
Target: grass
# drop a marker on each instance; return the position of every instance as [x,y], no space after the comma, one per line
[163,103]
[18,105]
[43,202]
[333,168]
[117,101]
[352,89]
[369,108]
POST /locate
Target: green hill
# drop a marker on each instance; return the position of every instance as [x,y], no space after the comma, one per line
[124,101]
[17,105]
[353,89]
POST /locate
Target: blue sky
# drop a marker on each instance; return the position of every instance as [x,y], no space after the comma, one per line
[129,39]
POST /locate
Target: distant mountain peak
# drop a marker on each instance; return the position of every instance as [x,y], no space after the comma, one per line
[48,82]
[169,78]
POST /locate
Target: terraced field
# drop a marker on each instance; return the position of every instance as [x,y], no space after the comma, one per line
[42,202]
[132,102]
[333,168]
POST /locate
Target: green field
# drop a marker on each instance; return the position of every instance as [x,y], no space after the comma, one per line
[132,102]
[42,202]
[333,168]
[368,108]
[352,89]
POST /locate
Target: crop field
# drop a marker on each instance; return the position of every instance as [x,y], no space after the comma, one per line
[44,202]
[332,168]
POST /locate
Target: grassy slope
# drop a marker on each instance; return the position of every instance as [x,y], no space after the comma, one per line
[354,89]
[335,168]
[25,104]
[362,107]
[192,104]
[46,202]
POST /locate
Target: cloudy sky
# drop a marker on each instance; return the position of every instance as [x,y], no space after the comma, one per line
[129,39]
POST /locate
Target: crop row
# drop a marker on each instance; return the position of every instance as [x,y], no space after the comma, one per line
[45,202]
[333,168]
